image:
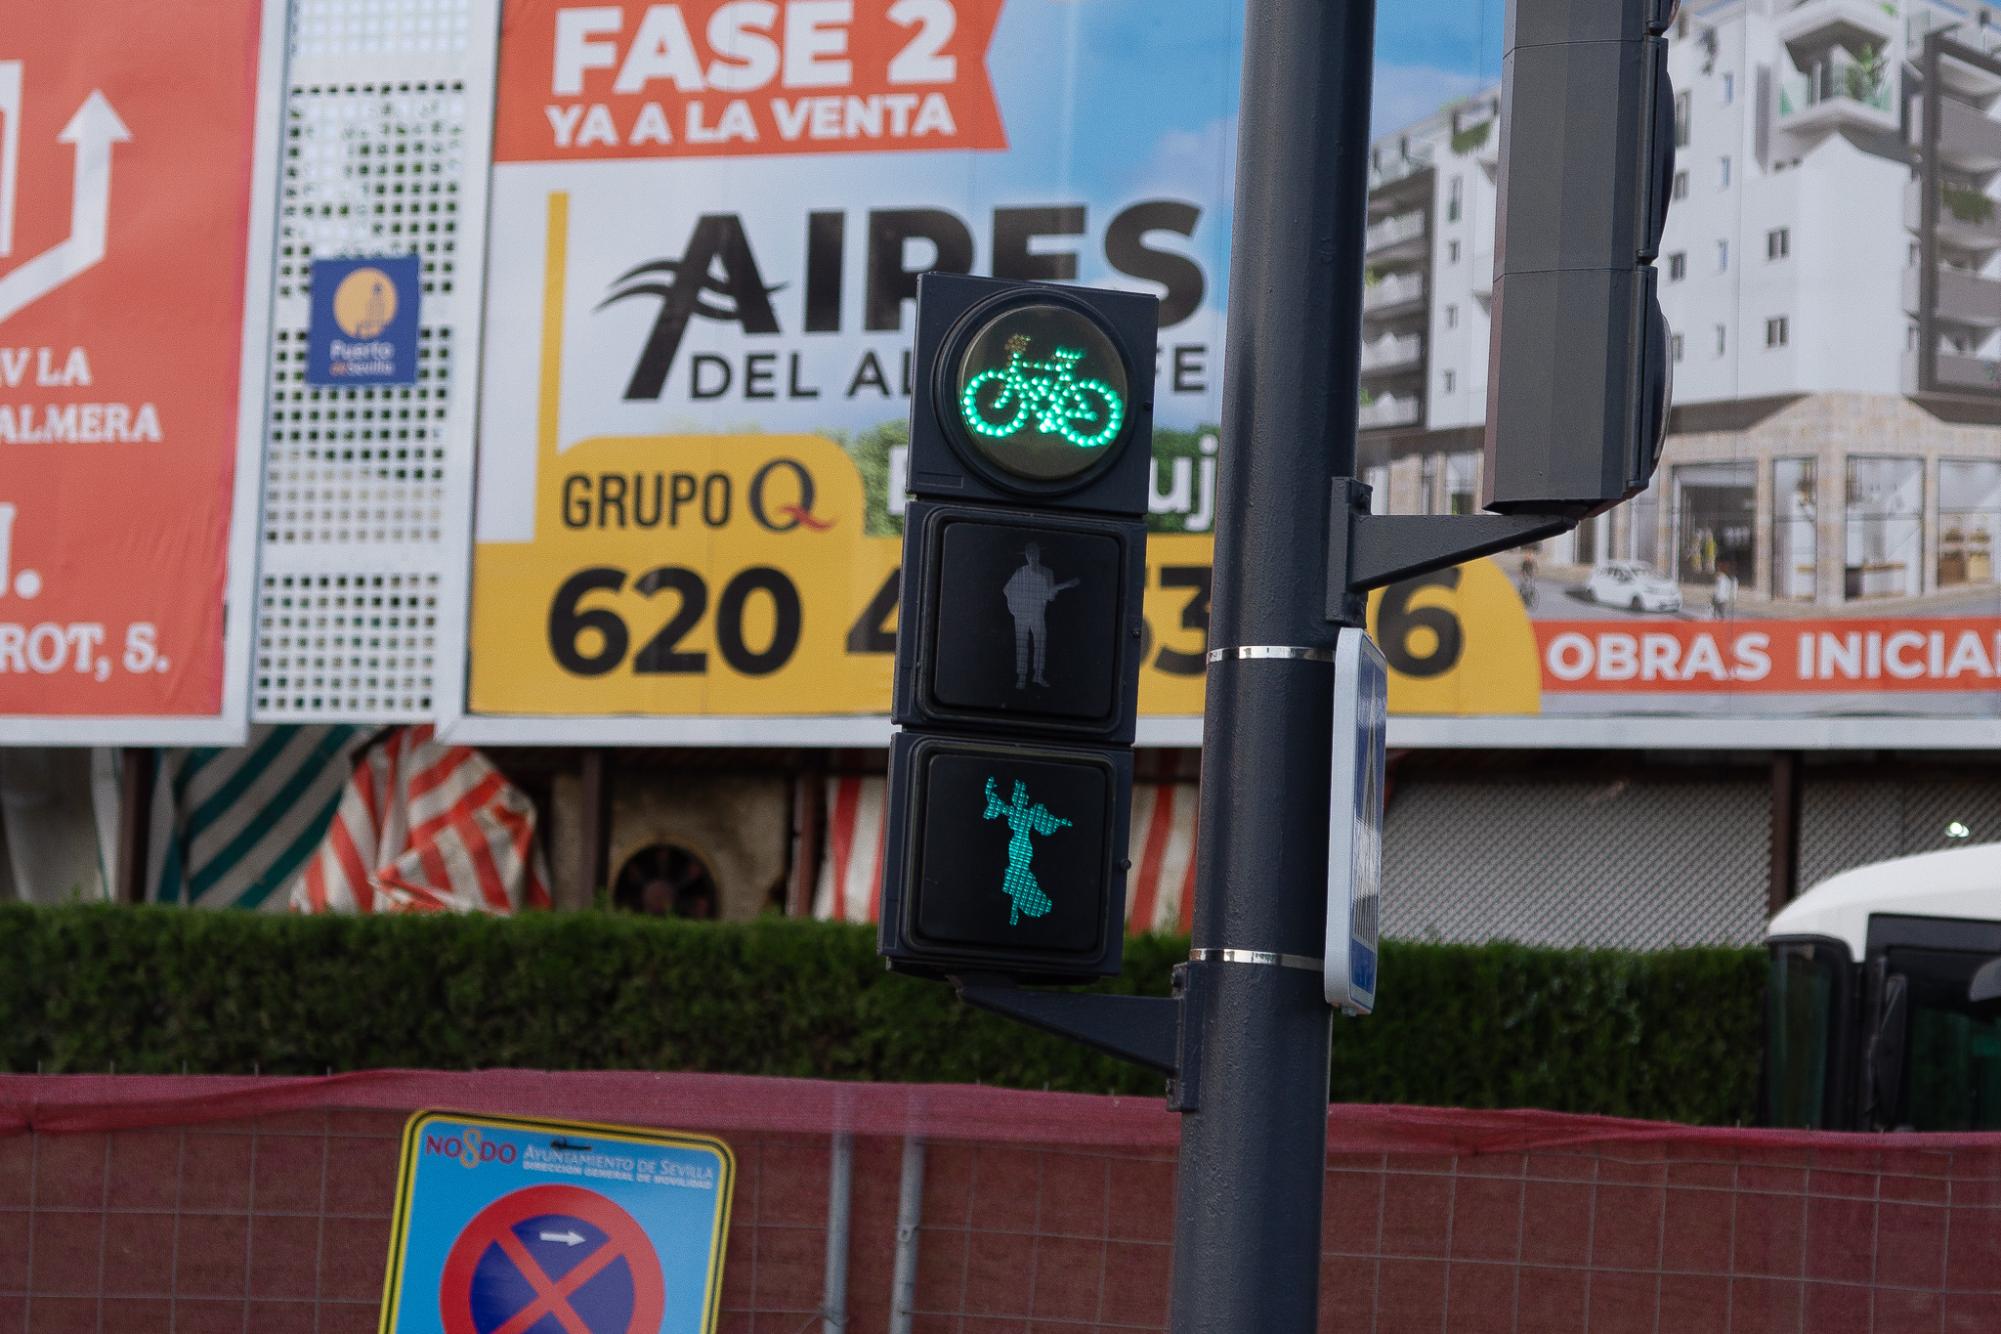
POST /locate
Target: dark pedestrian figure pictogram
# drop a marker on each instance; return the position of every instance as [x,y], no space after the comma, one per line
[1029,592]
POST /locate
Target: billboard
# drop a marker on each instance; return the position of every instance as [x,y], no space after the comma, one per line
[134,304]
[706,223]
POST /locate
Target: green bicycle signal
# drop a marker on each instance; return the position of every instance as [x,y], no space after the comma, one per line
[1041,391]
[999,402]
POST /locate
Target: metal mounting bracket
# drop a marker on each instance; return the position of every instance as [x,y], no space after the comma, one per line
[1366,551]
[1146,1030]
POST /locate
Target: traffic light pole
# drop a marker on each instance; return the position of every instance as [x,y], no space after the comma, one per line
[1245,1038]
[1253,1151]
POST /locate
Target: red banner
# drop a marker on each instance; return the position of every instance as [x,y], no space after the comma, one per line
[127,133]
[731,78]
[1774,657]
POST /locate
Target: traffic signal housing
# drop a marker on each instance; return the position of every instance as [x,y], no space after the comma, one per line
[1579,372]
[1019,633]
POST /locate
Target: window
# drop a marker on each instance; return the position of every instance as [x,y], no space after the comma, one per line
[1681,120]
[1722,256]
[1723,173]
[1451,381]
[1953,1047]
[1681,185]
[1722,339]
[1715,515]
[1462,483]
[1802,997]
[1779,243]
[1775,331]
[1795,549]
[1884,541]
[1452,317]
[1452,252]
[1676,343]
[1729,88]
[1454,200]
[1677,266]
[1969,516]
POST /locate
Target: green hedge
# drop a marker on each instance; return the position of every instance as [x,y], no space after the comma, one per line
[1672,1035]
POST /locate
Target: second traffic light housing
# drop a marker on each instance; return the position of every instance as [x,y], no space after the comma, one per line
[1579,372]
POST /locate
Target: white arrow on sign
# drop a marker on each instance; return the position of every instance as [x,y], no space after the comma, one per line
[570,1238]
[91,131]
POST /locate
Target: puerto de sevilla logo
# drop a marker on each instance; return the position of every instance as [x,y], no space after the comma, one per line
[365,303]
[91,133]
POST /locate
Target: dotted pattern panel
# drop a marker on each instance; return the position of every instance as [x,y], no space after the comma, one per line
[348,645]
[1624,865]
[1845,823]
[359,483]
[337,29]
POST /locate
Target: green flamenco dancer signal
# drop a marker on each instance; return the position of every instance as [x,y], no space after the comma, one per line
[1024,819]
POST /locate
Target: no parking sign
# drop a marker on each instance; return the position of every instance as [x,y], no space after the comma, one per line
[505,1225]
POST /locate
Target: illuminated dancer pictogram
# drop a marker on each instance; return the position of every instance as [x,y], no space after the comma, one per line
[1023,820]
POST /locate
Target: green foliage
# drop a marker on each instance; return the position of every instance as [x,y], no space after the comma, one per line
[1472,137]
[1672,1035]
[1967,204]
[1168,446]
[870,453]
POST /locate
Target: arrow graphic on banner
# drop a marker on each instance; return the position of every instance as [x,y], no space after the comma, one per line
[91,131]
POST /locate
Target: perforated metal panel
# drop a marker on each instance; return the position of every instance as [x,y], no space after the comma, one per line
[1628,864]
[1846,823]
[367,491]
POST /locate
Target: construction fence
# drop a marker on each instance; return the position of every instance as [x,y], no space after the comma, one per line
[206,1204]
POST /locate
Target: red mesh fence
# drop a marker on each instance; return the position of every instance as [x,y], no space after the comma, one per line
[208,1204]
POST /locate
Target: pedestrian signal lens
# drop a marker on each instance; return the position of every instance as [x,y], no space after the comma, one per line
[1015,850]
[1041,392]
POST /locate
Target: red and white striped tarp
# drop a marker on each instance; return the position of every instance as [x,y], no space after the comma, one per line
[1160,888]
[425,827]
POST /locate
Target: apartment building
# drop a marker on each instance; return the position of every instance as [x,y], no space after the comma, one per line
[1831,271]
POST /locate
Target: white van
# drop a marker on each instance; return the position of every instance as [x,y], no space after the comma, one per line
[1884,1006]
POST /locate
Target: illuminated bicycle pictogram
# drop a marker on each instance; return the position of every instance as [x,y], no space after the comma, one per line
[1000,402]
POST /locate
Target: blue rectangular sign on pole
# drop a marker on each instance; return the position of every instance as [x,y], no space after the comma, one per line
[1355,831]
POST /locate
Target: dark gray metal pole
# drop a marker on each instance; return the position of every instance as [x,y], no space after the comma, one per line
[1253,1156]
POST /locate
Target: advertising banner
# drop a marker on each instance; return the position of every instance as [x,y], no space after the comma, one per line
[707,220]
[133,337]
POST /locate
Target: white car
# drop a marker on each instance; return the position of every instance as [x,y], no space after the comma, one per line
[1633,586]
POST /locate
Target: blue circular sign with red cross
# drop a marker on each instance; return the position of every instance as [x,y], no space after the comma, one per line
[552,1260]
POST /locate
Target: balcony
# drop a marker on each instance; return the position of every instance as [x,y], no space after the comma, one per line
[1399,236]
[1809,27]
[1391,355]
[1967,138]
[1837,92]
[1956,370]
[1967,219]
[1400,294]
[1384,411]
[1393,168]
[1963,298]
